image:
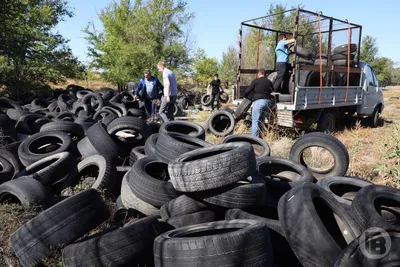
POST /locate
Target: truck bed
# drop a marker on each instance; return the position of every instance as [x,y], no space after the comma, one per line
[306,98]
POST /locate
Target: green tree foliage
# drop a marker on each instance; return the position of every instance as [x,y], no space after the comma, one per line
[369,49]
[396,76]
[138,34]
[228,66]
[383,68]
[31,53]
[204,67]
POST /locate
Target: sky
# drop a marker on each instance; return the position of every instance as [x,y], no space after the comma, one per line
[216,24]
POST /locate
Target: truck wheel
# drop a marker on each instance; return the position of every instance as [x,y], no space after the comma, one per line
[326,123]
[375,118]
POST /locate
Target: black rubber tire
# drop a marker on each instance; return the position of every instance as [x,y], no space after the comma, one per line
[272,76]
[280,175]
[182,205]
[10,152]
[113,110]
[203,168]
[249,245]
[367,206]
[184,127]
[342,56]
[132,124]
[106,171]
[58,226]
[221,123]
[324,62]
[343,49]
[120,107]
[86,149]
[228,109]
[199,217]
[329,142]
[73,129]
[150,145]
[131,245]
[6,170]
[266,150]
[102,141]
[183,102]
[303,53]
[170,145]
[26,124]
[361,252]
[82,93]
[7,127]
[206,100]
[339,186]
[56,171]
[136,154]
[327,122]
[374,119]
[149,182]
[282,253]
[138,113]
[108,119]
[26,191]
[87,100]
[224,98]
[131,201]
[305,61]
[343,62]
[314,209]
[31,149]
[354,79]
[99,117]
[243,194]
[154,127]
[241,110]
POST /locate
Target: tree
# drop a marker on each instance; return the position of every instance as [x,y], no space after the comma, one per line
[31,53]
[138,35]
[383,68]
[204,67]
[396,76]
[369,49]
[228,66]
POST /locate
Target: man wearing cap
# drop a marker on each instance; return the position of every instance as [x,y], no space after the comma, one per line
[148,89]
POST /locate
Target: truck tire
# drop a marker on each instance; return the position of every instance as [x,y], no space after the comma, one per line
[326,123]
[374,119]
[241,110]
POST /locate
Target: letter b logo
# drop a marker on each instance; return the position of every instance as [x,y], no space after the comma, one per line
[375,243]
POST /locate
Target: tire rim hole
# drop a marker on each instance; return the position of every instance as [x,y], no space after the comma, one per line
[344,190]
[279,172]
[221,123]
[206,155]
[207,232]
[157,170]
[318,159]
[331,224]
[45,145]
[181,129]
[7,198]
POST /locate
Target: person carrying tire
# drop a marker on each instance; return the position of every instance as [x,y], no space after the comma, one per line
[216,91]
[259,91]
[149,89]
[168,100]
[281,83]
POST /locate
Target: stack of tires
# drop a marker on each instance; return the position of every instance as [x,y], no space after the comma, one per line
[181,201]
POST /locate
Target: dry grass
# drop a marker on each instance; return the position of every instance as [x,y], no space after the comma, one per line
[92,84]
[374,152]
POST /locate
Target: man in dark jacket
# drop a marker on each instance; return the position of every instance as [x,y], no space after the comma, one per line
[259,91]
[149,89]
[216,90]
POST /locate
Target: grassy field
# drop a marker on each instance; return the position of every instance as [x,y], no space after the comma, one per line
[374,155]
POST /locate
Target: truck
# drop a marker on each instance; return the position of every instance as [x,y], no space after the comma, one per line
[326,82]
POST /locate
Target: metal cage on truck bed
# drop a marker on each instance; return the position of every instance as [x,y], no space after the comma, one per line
[329,77]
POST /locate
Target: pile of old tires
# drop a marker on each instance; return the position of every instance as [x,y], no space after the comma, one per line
[206,99]
[181,201]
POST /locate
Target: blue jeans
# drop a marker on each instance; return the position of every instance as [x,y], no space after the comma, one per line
[259,112]
[150,107]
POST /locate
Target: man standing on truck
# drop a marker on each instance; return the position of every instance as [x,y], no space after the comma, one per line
[170,91]
[281,83]
[216,90]
[259,92]
[148,89]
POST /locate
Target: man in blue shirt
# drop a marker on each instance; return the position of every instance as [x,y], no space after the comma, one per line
[282,64]
[170,92]
[149,89]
